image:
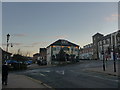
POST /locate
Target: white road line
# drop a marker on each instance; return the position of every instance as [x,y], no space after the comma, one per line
[47,71]
[42,74]
[60,72]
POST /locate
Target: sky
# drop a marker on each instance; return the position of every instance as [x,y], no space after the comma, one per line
[0,24]
[60,0]
[34,25]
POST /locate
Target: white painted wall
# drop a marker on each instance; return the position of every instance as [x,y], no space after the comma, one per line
[69,52]
[107,45]
[87,55]
[49,55]
[57,50]
[54,52]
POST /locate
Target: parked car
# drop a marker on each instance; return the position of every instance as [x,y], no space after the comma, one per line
[11,61]
[41,62]
[28,62]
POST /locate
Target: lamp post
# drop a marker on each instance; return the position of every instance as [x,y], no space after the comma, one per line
[103,56]
[114,55]
[8,36]
[114,58]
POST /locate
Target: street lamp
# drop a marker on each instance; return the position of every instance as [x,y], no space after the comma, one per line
[8,36]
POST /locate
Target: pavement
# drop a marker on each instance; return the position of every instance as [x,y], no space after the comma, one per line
[22,81]
[109,69]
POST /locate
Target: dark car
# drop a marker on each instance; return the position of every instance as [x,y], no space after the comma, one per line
[42,62]
[28,62]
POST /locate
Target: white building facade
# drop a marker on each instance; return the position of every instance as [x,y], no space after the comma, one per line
[86,52]
[108,44]
[54,49]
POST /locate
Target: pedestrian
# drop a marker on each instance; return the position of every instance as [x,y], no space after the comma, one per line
[5,69]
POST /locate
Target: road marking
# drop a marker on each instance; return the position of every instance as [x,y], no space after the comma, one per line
[47,71]
[97,77]
[60,72]
[104,78]
[42,74]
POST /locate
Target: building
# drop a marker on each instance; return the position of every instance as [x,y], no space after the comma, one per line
[86,52]
[109,44]
[115,45]
[5,55]
[95,39]
[118,44]
[103,45]
[43,53]
[36,57]
[67,49]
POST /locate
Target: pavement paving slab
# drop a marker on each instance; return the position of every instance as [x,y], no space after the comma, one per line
[21,81]
[109,70]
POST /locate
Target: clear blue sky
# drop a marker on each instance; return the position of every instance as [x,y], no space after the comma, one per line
[36,25]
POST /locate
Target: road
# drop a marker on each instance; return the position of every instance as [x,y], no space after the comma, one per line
[74,76]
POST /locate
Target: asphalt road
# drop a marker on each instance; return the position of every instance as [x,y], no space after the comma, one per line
[74,76]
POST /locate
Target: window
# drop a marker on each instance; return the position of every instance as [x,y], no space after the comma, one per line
[54,48]
[58,48]
[76,49]
[64,42]
[118,38]
[71,49]
[104,41]
[66,48]
[107,41]
[100,42]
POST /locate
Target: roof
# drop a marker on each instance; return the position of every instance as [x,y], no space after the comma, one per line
[97,34]
[118,31]
[108,35]
[5,52]
[105,37]
[62,42]
[42,49]
[36,54]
